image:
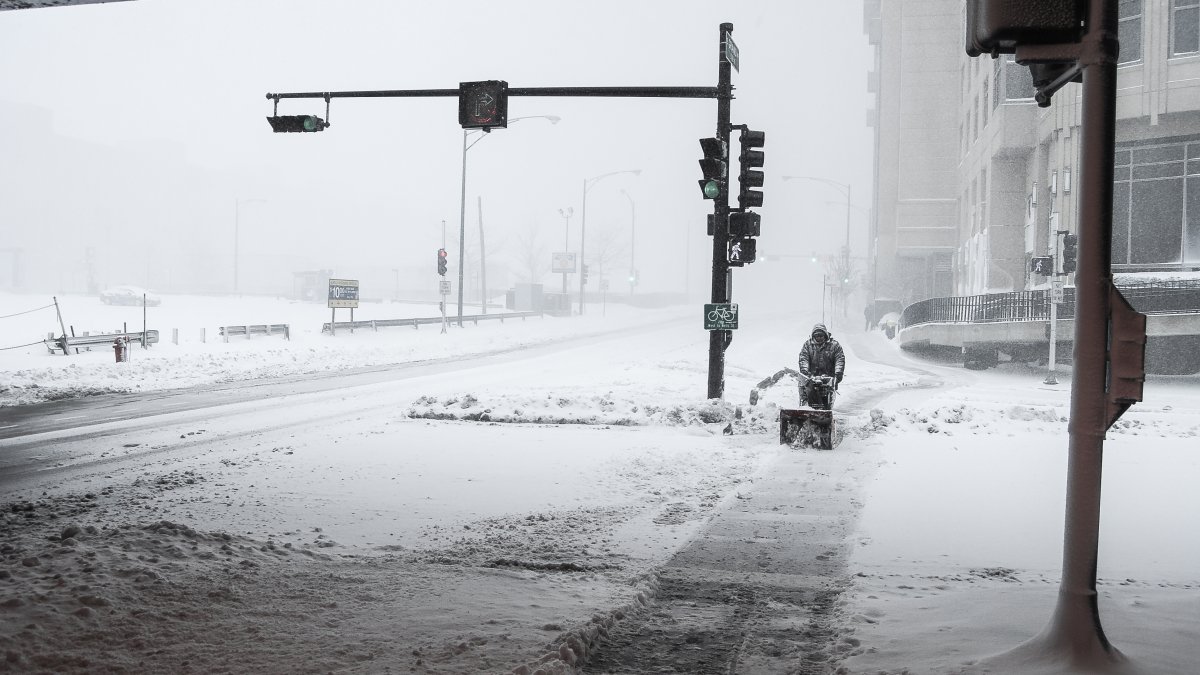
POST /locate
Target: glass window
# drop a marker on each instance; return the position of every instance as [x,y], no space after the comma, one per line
[1156,219]
[1185,27]
[1162,153]
[1018,83]
[996,64]
[1120,224]
[983,111]
[1191,234]
[1158,171]
[1129,30]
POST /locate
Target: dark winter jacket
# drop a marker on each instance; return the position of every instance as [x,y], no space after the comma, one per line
[825,359]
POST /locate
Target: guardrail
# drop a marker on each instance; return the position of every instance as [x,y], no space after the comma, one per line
[1153,297]
[68,342]
[256,329]
[376,324]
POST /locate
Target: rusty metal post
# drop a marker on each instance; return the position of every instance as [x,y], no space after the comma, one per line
[1075,634]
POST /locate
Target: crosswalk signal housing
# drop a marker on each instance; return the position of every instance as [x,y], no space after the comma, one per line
[441,263]
[751,160]
[1000,26]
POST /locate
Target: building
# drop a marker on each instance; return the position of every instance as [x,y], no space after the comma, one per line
[973,179]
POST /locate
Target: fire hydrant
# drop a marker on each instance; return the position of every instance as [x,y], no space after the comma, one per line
[120,348]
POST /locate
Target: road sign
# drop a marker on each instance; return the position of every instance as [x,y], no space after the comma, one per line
[562,262]
[731,52]
[343,293]
[483,105]
[1056,291]
[721,316]
[604,284]
[444,286]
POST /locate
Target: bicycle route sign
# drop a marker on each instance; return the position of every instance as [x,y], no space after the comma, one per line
[721,316]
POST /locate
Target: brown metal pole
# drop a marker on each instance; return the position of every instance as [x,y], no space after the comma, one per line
[1075,631]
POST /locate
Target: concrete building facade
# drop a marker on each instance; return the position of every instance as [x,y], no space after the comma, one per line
[973,179]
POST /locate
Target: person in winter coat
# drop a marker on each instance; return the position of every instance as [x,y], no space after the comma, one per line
[820,355]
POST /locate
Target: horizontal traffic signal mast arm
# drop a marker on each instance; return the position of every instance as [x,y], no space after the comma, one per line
[627,92]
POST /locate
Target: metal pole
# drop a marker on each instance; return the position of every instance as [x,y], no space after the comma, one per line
[718,340]
[482,263]
[582,241]
[1075,630]
[462,229]
[1051,378]
[237,216]
[846,259]
[632,238]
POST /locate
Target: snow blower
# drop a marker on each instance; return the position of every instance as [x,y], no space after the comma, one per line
[811,426]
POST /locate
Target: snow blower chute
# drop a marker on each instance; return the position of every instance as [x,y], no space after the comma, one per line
[812,425]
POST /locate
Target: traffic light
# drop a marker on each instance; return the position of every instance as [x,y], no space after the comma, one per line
[633,277]
[751,159]
[483,105]
[296,123]
[1000,26]
[1070,253]
[442,261]
[584,271]
[714,167]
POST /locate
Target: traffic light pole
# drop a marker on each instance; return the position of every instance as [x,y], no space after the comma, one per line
[1074,633]
[718,340]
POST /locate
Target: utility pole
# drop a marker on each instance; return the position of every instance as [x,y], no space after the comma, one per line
[718,340]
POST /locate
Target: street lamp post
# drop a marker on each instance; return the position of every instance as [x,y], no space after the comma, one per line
[462,208]
[237,235]
[566,214]
[587,185]
[632,238]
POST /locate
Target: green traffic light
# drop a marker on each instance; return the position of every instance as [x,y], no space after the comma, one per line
[712,189]
[310,123]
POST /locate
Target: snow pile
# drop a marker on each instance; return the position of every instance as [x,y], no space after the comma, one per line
[599,409]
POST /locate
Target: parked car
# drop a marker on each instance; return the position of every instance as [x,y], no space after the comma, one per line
[129,295]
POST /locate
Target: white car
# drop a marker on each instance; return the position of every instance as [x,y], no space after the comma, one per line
[129,295]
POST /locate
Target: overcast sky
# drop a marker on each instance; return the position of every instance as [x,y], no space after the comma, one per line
[372,190]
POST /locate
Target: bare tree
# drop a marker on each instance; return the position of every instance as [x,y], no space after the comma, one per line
[532,253]
[607,249]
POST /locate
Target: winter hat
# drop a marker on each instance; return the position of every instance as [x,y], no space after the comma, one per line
[820,328]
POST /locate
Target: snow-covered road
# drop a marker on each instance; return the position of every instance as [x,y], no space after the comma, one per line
[508,515]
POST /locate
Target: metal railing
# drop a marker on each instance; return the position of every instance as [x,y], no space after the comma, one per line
[1180,296]
[68,342]
[376,324]
[256,329]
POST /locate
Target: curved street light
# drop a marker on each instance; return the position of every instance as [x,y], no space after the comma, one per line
[462,209]
[587,185]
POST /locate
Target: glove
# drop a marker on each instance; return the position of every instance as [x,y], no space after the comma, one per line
[837,378]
